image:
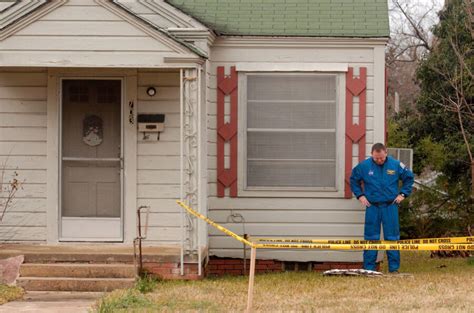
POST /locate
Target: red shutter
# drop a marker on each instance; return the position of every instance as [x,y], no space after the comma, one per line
[355,133]
[226,132]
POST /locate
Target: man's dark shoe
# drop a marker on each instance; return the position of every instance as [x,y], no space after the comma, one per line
[395,272]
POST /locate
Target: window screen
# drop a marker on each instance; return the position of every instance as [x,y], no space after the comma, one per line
[291,131]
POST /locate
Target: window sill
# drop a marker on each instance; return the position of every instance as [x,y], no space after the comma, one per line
[286,193]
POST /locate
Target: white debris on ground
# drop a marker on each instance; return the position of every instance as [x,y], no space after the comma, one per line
[351,272]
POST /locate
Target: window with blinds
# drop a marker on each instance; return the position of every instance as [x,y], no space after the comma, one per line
[291,131]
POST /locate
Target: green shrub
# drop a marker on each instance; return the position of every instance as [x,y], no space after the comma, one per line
[146,283]
[428,213]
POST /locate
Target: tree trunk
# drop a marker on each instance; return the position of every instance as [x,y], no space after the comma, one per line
[472,179]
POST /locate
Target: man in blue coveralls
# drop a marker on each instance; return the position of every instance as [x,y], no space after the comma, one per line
[380,194]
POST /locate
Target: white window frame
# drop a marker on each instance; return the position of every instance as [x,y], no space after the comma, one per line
[308,192]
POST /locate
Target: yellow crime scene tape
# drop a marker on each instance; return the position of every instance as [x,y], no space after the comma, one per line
[453,243]
[447,240]
[219,227]
[409,246]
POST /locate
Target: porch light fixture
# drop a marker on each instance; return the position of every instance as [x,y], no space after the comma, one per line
[151,91]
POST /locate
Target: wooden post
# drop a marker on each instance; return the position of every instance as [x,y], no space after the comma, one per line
[253,255]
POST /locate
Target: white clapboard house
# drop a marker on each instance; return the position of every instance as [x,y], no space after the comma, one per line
[253,112]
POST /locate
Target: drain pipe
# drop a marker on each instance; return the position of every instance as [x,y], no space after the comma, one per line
[181,159]
[239,218]
[139,267]
[246,237]
[199,168]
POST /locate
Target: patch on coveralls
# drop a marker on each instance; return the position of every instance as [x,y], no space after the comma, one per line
[390,172]
[352,272]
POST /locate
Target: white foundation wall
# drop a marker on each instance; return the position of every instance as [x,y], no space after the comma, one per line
[23,94]
[158,161]
[330,217]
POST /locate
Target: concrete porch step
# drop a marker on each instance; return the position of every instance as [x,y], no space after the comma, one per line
[78,270]
[73,283]
[99,253]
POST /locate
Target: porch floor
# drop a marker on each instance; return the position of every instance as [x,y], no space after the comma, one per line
[102,253]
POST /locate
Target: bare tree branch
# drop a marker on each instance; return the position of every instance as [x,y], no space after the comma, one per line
[460,58]
[419,33]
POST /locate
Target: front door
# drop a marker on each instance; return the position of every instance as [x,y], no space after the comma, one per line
[91,169]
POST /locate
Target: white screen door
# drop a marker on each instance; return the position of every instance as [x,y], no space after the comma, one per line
[91,169]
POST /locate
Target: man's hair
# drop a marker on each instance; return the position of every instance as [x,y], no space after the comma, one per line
[378,147]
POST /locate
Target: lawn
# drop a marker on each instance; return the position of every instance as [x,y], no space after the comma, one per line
[440,285]
[10,293]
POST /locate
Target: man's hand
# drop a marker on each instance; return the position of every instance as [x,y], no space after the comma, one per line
[364,201]
[399,199]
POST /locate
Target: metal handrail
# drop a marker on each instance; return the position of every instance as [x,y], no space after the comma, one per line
[139,238]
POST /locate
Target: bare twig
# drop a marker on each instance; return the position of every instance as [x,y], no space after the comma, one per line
[416,28]
[8,189]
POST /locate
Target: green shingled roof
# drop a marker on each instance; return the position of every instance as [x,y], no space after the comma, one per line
[322,18]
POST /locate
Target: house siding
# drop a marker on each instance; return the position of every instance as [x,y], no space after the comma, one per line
[158,168]
[296,217]
[86,34]
[87,39]
[23,145]
[23,94]
[88,20]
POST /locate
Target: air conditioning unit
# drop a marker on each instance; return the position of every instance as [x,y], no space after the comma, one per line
[403,154]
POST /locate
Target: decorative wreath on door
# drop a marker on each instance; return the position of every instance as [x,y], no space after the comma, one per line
[92,130]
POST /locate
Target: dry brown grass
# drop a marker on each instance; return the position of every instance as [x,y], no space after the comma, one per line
[8,293]
[436,285]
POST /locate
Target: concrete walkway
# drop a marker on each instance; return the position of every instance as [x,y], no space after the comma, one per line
[52,302]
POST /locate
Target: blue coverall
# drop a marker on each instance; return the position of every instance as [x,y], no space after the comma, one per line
[380,187]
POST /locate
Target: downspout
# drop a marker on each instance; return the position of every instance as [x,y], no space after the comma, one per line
[181,159]
[199,168]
